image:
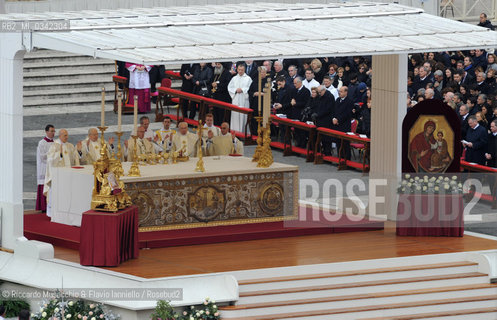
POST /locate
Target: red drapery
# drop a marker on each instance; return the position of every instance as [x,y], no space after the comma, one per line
[430,215]
[108,239]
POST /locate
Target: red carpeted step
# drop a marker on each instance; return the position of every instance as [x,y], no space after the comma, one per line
[317,221]
[39,227]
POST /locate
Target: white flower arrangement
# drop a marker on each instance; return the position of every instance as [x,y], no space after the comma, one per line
[80,309]
[430,185]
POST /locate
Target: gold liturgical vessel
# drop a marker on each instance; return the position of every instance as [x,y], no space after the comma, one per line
[108,189]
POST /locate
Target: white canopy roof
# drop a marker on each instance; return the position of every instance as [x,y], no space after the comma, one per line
[175,35]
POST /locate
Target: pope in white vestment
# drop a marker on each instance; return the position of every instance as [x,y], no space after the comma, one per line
[60,154]
[185,140]
[41,166]
[238,89]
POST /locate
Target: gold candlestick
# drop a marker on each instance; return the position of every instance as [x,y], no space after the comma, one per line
[266,155]
[103,147]
[258,149]
[134,171]
[200,162]
[119,154]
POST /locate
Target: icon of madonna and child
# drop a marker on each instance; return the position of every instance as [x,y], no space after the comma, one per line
[431,144]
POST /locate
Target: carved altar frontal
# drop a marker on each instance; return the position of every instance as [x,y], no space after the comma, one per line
[241,193]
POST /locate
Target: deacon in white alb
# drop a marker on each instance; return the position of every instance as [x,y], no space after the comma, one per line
[60,154]
[41,166]
[238,89]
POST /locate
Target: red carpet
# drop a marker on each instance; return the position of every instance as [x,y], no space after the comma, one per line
[39,227]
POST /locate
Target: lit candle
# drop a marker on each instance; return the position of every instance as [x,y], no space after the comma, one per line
[259,92]
[135,117]
[102,114]
[119,112]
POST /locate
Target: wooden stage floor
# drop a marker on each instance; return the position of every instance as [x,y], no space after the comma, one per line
[281,252]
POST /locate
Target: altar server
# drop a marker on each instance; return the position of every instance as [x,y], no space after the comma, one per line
[209,126]
[41,166]
[238,89]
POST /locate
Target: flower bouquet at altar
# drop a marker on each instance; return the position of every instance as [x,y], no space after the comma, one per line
[430,205]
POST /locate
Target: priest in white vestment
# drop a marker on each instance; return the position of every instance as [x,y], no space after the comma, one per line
[238,89]
[41,166]
[60,154]
[143,145]
[224,144]
[210,127]
[164,137]
[184,141]
[91,147]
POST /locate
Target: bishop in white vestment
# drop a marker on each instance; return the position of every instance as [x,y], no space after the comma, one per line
[60,154]
[238,89]
[41,166]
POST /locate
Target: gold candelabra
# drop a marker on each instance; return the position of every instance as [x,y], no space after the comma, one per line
[108,190]
[134,171]
[266,155]
[200,162]
[257,153]
[119,155]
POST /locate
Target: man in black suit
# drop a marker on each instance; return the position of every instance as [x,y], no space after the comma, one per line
[322,116]
[491,154]
[341,119]
[475,142]
[252,70]
[463,116]
[282,103]
[219,90]
[300,98]
[254,97]
[186,73]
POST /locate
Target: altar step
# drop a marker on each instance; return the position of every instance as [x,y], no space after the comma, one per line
[449,290]
[39,227]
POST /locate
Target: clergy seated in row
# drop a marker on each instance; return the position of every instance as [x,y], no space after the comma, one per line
[224,144]
[164,137]
[91,147]
[60,154]
[184,141]
[143,145]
